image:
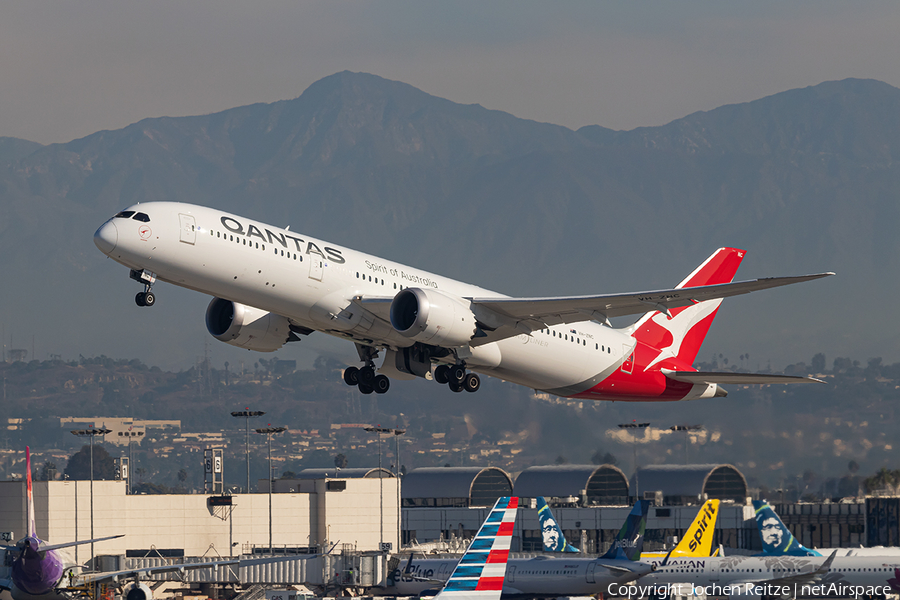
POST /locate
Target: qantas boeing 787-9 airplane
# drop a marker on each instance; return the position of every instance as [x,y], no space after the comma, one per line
[272,285]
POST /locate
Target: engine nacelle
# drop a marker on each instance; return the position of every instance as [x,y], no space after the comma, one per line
[139,591]
[433,317]
[245,326]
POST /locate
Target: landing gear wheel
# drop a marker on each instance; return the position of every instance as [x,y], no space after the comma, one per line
[149,299]
[365,389]
[472,382]
[381,384]
[457,373]
[455,387]
[440,374]
[351,376]
[139,299]
[367,375]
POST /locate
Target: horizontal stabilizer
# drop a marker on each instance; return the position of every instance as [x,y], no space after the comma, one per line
[47,547]
[728,377]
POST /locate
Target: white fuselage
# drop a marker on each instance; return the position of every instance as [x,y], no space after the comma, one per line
[532,577]
[735,572]
[313,283]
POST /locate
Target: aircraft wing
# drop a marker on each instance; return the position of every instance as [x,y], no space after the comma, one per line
[807,578]
[505,317]
[570,309]
[734,378]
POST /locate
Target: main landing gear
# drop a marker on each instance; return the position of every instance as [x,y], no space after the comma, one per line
[147,297]
[456,378]
[365,378]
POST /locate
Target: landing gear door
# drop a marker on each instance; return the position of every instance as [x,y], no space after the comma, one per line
[188,228]
[316,267]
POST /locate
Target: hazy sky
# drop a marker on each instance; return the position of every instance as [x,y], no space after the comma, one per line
[69,69]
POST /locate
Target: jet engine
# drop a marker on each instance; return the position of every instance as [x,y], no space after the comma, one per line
[139,591]
[245,326]
[433,317]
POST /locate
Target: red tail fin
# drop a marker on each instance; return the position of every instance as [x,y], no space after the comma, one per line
[680,335]
[29,508]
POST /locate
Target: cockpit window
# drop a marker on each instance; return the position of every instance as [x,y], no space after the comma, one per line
[142,217]
[125,214]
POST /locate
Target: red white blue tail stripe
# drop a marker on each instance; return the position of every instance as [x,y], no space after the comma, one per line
[482,569]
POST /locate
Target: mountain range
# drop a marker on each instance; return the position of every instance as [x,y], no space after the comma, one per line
[804,180]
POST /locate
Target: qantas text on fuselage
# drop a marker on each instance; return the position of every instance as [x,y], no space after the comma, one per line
[272,285]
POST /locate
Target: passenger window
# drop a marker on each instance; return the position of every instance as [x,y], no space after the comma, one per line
[218,234]
[142,217]
[257,245]
[125,214]
[244,241]
[230,238]
[395,286]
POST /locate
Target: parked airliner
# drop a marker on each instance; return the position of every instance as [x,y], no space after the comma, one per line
[545,576]
[38,567]
[271,285]
[784,576]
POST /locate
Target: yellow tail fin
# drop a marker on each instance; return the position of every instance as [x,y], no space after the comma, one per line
[698,538]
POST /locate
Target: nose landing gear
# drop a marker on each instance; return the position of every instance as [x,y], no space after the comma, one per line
[147,297]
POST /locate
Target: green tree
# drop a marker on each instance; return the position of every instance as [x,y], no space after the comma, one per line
[79,465]
[340,461]
[818,363]
[48,471]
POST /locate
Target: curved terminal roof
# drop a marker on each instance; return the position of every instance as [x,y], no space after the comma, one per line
[354,473]
[722,482]
[600,484]
[455,486]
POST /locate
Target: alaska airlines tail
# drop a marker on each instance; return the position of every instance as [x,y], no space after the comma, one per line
[552,535]
[698,538]
[679,332]
[479,574]
[777,539]
[630,540]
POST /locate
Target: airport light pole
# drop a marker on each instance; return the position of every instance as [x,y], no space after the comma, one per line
[92,432]
[634,426]
[247,413]
[397,434]
[378,430]
[686,429]
[269,431]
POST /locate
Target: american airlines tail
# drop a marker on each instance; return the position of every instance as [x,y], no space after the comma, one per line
[679,332]
[480,573]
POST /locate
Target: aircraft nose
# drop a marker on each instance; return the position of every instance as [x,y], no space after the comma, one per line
[106,237]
